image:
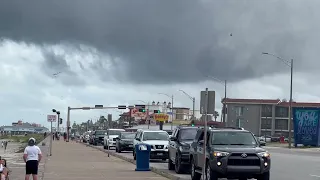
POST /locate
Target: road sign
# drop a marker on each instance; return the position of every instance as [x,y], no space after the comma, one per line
[98,106]
[161,117]
[122,107]
[51,118]
[211,102]
[135,113]
[140,106]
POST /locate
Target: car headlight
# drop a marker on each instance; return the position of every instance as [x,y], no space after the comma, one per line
[184,148]
[220,154]
[264,154]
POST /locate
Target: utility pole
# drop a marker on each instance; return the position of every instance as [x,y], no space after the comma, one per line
[224,103]
[290,103]
[193,106]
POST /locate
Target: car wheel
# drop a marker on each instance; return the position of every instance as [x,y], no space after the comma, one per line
[210,175]
[264,176]
[194,175]
[170,164]
[177,164]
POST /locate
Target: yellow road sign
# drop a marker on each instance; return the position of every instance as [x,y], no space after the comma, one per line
[161,117]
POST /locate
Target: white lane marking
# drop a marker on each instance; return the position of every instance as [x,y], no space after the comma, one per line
[312,175]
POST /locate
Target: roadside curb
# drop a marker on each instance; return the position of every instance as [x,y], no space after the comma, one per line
[153,169]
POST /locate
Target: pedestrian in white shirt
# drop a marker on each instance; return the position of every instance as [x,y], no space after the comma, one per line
[32,157]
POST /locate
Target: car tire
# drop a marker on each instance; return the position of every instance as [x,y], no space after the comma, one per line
[264,176]
[210,175]
[177,164]
[170,164]
[194,175]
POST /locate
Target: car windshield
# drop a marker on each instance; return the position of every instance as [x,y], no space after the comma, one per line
[188,134]
[155,136]
[127,135]
[100,132]
[114,132]
[233,138]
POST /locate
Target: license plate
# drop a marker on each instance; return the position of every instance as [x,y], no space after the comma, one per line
[130,146]
[159,154]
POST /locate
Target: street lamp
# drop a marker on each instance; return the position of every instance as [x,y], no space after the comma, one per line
[225,96]
[193,102]
[171,104]
[289,64]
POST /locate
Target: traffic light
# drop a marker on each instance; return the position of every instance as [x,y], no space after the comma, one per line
[156,111]
[142,110]
[60,121]
[192,123]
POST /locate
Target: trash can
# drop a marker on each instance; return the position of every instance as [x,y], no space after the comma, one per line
[142,157]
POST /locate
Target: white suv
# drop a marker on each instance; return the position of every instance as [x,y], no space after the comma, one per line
[158,140]
[110,137]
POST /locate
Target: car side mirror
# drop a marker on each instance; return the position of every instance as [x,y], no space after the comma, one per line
[138,139]
[201,142]
[173,138]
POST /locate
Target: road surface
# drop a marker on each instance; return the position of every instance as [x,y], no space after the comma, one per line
[286,164]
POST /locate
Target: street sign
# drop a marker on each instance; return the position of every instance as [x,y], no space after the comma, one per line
[122,107]
[161,117]
[51,118]
[211,102]
[98,106]
[130,107]
[140,106]
[135,113]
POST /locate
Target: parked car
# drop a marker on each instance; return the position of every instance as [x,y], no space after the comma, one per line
[276,137]
[230,153]
[125,141]
[158,140]
[110,137]
[179,148]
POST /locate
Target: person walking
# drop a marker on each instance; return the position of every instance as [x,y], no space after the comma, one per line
[65,136]
[32,156]
[53,134]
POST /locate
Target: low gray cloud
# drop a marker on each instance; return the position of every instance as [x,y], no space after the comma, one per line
[170,41]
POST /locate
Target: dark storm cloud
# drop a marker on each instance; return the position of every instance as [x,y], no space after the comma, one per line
[165,41]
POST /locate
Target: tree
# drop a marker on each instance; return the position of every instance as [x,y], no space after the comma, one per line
[216,114]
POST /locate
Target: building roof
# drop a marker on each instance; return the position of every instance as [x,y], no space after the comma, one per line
[270,101]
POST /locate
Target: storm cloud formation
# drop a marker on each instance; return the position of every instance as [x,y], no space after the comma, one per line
[172,41]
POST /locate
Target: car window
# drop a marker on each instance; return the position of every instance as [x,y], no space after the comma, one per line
[127,135]
[155,136]
[187,134]
[233,138]
[114,132]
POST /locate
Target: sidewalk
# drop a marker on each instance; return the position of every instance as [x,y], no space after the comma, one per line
[75,161]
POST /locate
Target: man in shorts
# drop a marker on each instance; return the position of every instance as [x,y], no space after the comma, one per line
[32,157]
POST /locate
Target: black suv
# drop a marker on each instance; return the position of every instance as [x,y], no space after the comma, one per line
[98,137]
[179,148]
[231,153]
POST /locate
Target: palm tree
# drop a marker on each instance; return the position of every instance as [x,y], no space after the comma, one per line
[216,114]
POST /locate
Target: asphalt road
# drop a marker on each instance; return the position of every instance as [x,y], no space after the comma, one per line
[286,164]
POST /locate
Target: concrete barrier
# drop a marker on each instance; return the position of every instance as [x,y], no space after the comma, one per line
[161,172]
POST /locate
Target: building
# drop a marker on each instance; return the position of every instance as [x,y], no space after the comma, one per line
[181,113]
[261,116]
[22,128]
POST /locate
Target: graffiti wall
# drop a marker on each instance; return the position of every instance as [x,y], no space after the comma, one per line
[306,126]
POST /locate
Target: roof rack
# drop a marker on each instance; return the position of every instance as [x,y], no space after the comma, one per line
[239,128]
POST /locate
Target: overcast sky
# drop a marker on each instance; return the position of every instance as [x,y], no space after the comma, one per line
[120,51]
